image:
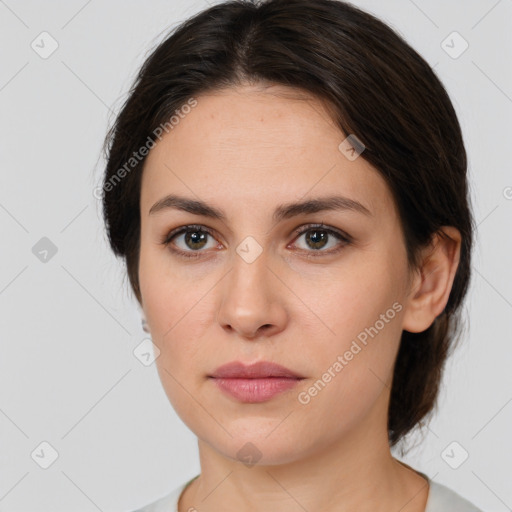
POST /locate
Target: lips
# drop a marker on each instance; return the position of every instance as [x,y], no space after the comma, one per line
[258,382]
[259,370]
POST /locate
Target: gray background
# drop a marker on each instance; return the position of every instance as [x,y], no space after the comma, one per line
[69,325]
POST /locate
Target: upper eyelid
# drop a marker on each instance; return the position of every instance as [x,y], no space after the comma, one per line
[306,227]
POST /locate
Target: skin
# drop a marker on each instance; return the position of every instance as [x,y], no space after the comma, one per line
[247,150]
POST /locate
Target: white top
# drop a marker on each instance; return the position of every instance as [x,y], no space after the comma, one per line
[440,499]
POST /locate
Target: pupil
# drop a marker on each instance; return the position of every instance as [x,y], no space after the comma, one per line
[317,238]
[196,237]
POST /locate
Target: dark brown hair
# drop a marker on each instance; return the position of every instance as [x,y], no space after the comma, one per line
[376,87]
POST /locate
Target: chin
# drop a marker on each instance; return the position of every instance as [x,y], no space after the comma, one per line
[262,452]
[257,448]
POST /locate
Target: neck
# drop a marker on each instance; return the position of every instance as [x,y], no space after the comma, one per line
[357,473]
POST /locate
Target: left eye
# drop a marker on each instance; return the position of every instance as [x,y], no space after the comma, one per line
[318,238]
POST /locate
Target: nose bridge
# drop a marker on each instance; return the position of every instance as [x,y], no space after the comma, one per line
[249,278]
[250,297]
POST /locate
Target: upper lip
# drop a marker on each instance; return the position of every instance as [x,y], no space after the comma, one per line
[261,369]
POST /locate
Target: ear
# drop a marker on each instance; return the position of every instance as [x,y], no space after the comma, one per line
[432,283]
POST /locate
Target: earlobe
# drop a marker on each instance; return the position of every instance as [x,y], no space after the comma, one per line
[433,281]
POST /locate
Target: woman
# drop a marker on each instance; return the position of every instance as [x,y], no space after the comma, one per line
[287,186]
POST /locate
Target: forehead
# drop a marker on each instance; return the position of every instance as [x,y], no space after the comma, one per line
[241,144]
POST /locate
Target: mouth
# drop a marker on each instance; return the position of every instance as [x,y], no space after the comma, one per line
[254,383]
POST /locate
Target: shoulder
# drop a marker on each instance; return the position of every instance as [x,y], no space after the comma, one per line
[166,503]
[442,498]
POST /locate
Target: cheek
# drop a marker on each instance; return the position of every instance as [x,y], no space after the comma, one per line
[347,298]
[352,366]
[358,317]
[168,289]
[178,321]
[174,308]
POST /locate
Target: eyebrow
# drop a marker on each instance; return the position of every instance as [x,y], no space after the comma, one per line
[282,212]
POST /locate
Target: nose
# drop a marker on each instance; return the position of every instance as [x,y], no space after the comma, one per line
[252,300]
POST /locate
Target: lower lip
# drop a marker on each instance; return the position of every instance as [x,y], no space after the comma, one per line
[255,390]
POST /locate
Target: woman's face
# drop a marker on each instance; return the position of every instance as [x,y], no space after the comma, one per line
[256,290]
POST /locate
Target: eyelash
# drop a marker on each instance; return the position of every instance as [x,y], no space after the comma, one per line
[343,237]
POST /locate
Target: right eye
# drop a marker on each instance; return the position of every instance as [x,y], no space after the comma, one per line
[193,238]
